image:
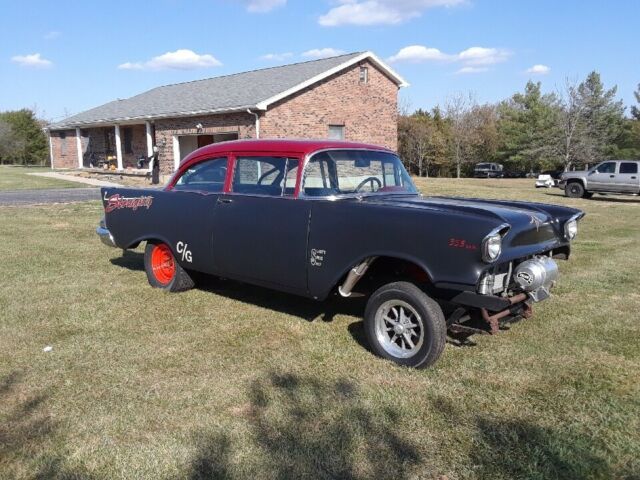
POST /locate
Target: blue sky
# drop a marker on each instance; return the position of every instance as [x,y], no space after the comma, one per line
[65,57]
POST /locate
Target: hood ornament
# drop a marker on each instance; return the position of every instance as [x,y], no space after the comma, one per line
[536,221]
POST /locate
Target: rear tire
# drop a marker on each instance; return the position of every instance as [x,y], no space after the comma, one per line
[163,270]
[404,325]
[574,190]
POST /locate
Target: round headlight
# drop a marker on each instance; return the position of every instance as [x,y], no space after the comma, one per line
[571,229]
[491,248]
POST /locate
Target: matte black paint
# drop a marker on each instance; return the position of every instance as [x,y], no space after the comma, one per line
[268,240]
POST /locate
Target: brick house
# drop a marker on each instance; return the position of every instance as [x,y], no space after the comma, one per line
[351,96]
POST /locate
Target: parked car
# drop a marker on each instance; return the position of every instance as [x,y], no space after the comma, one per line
[612,176]
[316,218]
[488,170]
[545,181]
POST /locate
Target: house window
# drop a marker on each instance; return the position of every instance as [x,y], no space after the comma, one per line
[364,75]
[128,140]
[336,132]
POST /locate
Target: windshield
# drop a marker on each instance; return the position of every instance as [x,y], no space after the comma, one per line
[342,172]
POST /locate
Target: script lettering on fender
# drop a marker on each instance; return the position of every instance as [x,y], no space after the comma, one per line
[117,202]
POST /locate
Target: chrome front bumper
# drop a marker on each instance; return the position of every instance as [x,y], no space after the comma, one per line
[105,236]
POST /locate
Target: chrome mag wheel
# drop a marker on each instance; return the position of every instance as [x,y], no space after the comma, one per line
[399,328]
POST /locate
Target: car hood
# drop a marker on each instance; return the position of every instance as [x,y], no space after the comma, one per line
[581,174]
[530,223]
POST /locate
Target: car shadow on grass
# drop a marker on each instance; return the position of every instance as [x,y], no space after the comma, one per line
[604,198]
[304,308]
[304,427]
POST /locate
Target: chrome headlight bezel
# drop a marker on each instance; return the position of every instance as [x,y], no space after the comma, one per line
[492,243]
[571,227]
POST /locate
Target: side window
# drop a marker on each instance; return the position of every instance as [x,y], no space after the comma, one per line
[318,177]
[273,176]
[608,167]
[207,176]
[629,167]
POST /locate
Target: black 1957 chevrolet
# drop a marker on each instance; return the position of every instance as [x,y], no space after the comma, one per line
[317,217]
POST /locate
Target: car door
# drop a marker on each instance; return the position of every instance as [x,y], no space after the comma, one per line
[260,233]
[602,178]
[627,177]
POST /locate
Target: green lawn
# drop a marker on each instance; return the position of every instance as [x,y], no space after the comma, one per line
[18,178]
[232,381]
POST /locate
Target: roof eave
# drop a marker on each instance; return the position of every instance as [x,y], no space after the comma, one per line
[401,82]
[145,118]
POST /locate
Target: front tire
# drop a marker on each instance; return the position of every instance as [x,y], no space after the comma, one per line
[574,190]
[404,325]
[163,270]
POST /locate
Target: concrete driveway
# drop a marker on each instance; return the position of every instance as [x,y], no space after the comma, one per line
[52,195]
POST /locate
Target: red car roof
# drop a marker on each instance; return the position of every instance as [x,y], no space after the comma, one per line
[283,145]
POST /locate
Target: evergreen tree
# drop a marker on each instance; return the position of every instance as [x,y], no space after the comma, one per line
[603,119]
[635,111]
[29,140]
[528,129]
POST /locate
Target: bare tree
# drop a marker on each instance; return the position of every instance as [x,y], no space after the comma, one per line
[571,123]
[457,112]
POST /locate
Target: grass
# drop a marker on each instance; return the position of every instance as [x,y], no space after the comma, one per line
[18,178]
[232,381]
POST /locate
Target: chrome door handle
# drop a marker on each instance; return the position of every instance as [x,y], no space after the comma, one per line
[225,200]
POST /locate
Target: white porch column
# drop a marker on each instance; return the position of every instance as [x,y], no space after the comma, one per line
[51,149]
[149,139]
[79,146]
[176,152]
[149,143]
[118,148]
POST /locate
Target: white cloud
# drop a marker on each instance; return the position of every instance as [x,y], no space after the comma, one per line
[34,60]
[467,70]
[379,12]
[52,35]
[472,60]
[263,6]
[483,56]
[539,69]
[419,53]
[276,57]
[182,59]
[322,53]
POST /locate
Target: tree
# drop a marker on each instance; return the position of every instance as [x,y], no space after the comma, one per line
[603,117]
[30,143]
[571,124]
[421,141]
[10,144]
[457,114]
[528,129]
[635,111]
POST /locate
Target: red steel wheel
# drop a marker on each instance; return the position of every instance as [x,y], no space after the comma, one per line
[163,264]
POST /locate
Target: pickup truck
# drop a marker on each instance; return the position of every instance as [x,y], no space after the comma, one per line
[321,218]
[612,176]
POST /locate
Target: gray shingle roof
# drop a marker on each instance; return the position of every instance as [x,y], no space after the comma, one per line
[227,93]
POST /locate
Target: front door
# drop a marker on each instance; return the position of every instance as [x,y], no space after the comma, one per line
[602,178]
[260,232]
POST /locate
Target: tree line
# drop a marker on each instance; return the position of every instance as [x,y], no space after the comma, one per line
[22,139]
[581,124]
